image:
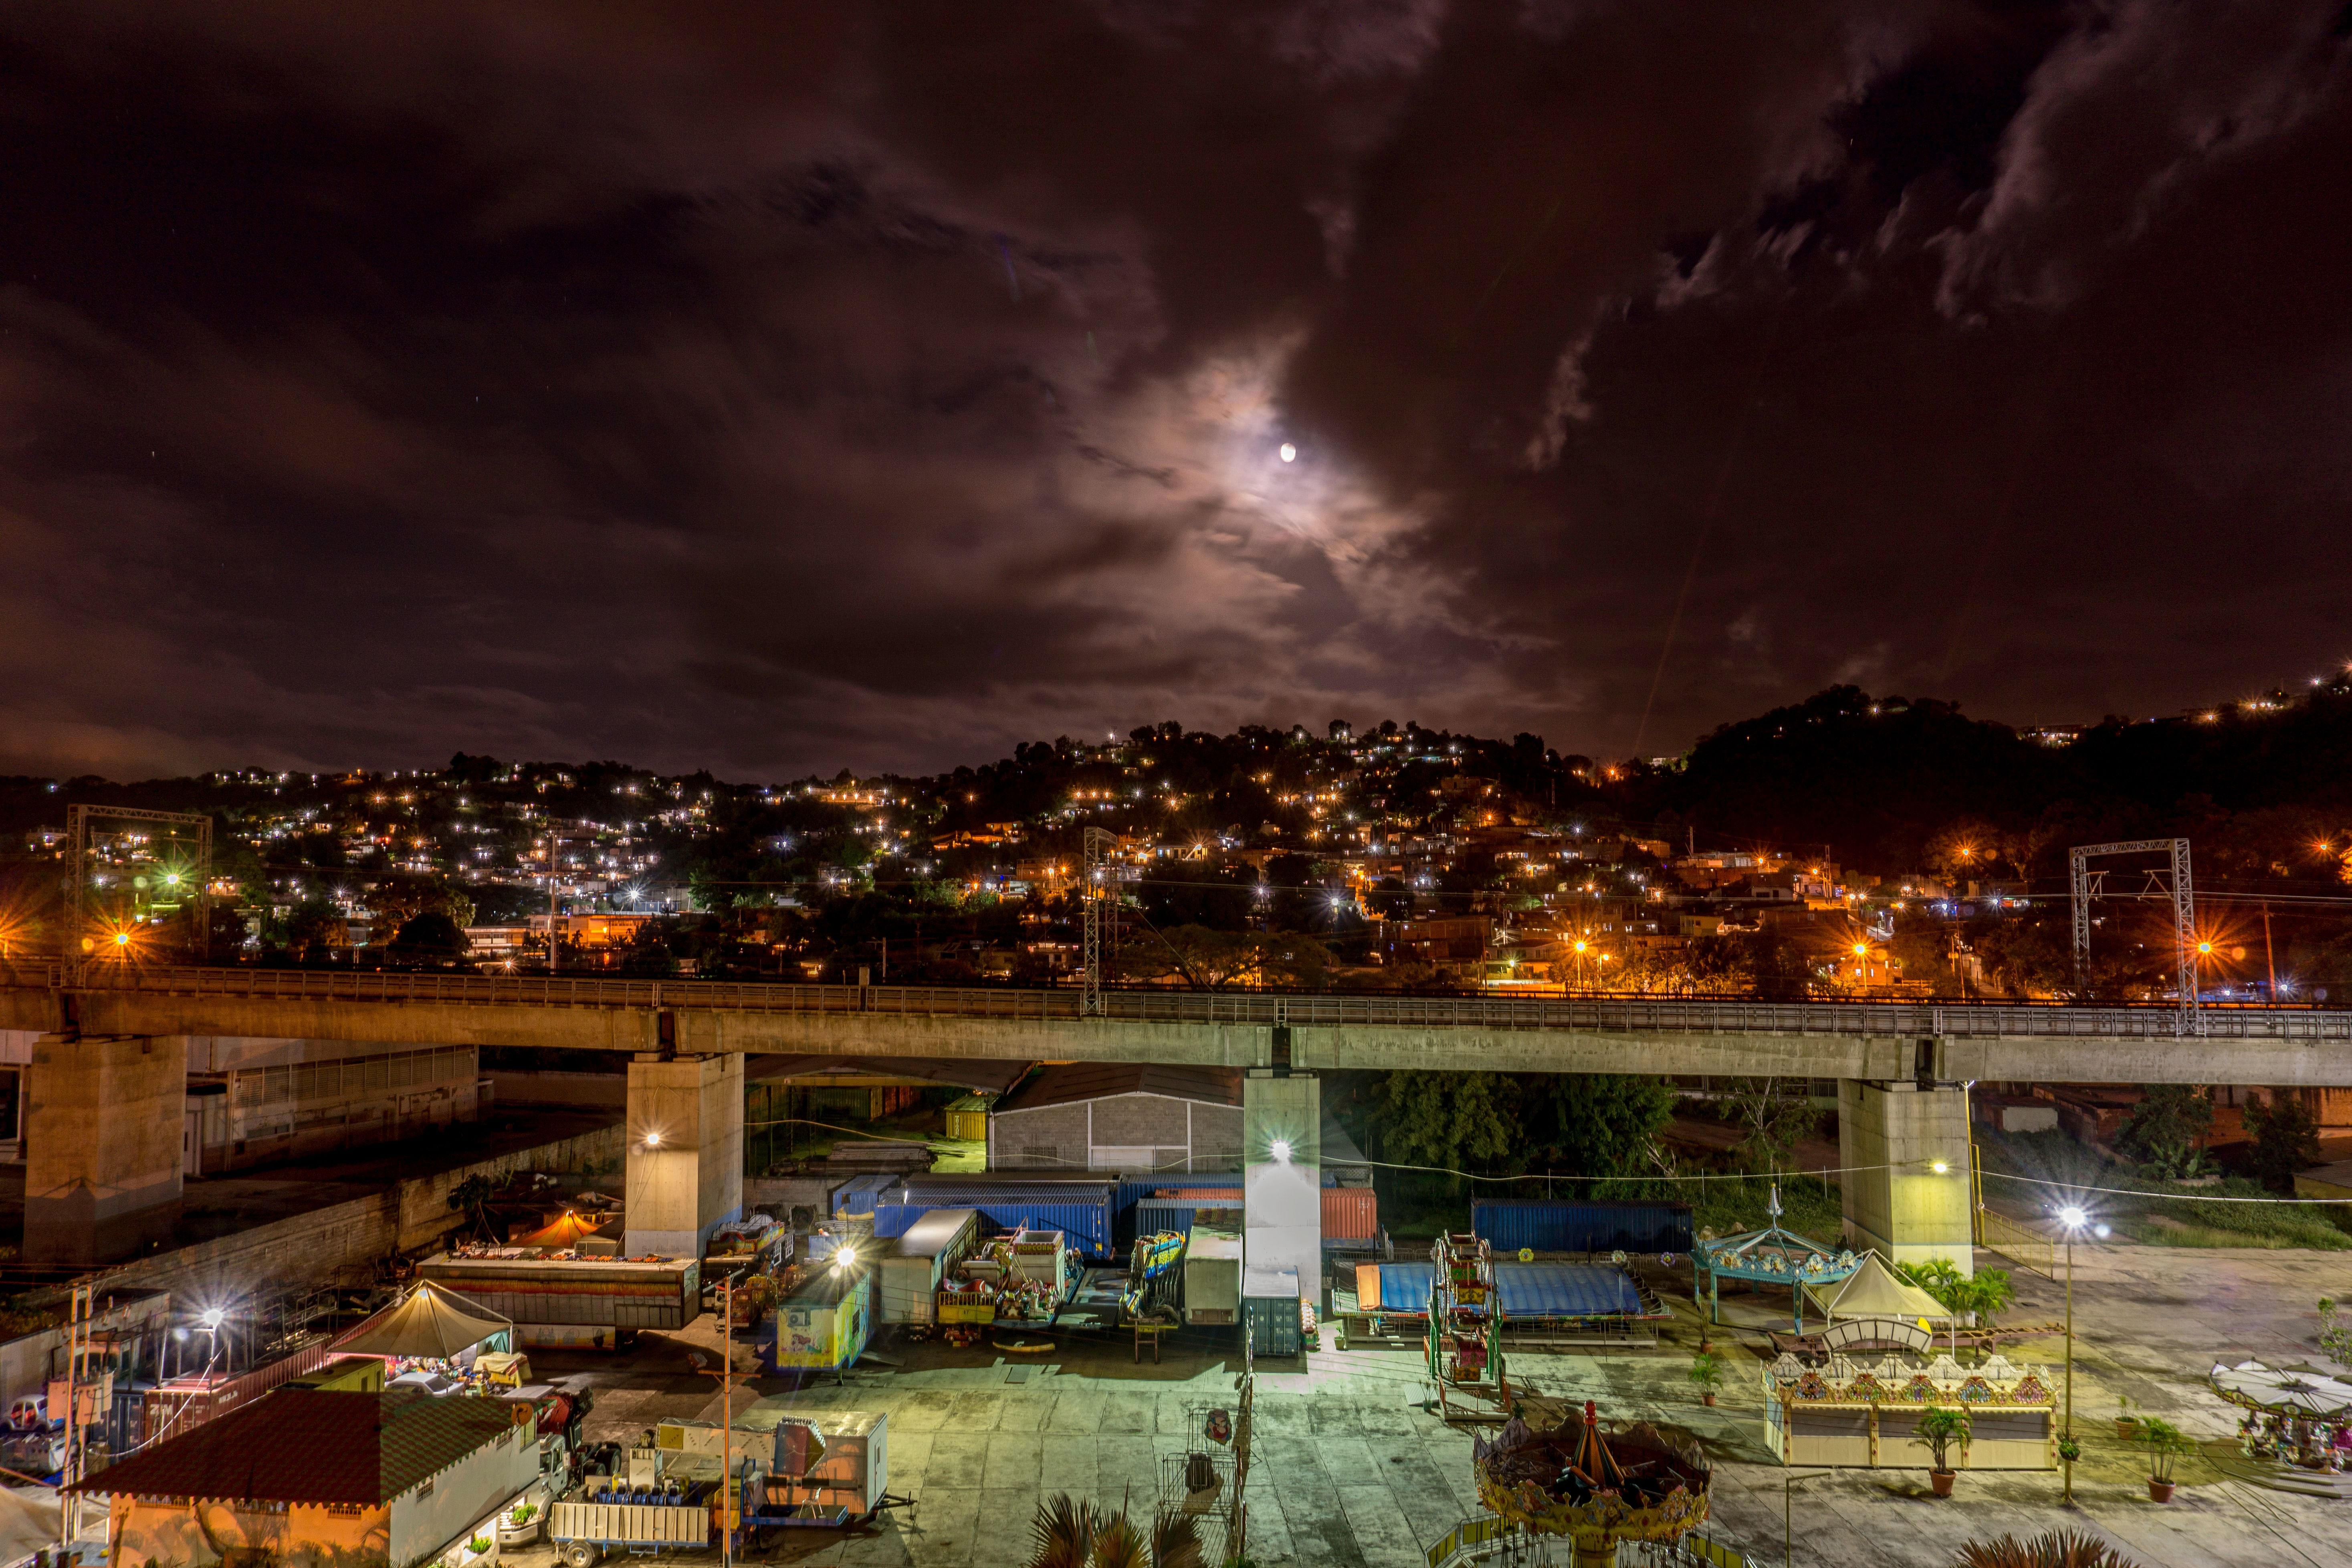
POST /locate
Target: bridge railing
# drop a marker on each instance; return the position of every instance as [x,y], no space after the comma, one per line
[1592,1015]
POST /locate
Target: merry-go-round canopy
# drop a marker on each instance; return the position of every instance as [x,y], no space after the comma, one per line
[1772,1255]
[2282,1391]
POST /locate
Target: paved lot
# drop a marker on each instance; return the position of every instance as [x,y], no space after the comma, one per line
[1350,1470]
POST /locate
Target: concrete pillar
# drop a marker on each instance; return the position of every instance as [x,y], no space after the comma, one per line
[103,1117]
[1282,1177]
[686,1153]
[1891,1137]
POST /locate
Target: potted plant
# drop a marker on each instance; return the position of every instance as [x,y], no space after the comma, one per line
[2127,1424]
[1707,1372]
[519,1525]
[2166,1443]
[1940,1426]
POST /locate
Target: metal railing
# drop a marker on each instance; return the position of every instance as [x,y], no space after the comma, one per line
[1575,1014]
[2018,1242]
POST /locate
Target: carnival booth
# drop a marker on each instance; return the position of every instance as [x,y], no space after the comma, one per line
[1849,1412]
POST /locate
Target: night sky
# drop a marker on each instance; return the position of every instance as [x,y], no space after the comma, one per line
[774,388]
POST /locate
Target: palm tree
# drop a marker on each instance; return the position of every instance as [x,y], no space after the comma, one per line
[2054,1548]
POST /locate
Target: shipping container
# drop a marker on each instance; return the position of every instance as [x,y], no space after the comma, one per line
[1540,1225]
[1080,1210]
[968,1118]
[824,1326]
[183,1404]
[1270,1302]
[1350,1213]
[859,1194]
[908,1270]
[618,1296]
[1212,1277]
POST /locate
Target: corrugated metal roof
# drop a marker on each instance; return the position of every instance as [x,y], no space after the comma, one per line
[1073,1082]
[312,1445]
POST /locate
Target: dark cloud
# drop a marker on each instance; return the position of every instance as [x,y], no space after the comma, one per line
[772,390]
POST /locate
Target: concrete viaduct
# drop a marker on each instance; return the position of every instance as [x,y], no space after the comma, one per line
[104,1111]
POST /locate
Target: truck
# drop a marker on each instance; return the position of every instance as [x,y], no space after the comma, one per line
[775,1472]
[911,1268]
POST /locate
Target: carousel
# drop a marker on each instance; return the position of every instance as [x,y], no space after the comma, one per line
[1773,1256]
[1641,1483]
[2295,1416]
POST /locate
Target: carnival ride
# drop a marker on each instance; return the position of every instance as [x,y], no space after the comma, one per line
[1641,1483]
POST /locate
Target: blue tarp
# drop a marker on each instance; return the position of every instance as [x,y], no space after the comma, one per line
[1525,1289]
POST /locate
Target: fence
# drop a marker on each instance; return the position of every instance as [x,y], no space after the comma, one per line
[2021,1243]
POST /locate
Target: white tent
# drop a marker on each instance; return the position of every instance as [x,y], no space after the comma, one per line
[1872,1291]
[429,1323]
[29,1520]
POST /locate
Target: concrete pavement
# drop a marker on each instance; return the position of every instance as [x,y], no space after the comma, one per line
[1352,1472]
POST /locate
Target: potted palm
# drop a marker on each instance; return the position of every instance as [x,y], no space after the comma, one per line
[2166,1443]
[1707,1372]
[1940,1426]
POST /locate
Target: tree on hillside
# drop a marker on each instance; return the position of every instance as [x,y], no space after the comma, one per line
[431,936]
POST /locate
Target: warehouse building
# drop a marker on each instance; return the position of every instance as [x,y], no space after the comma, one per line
[1133,1118]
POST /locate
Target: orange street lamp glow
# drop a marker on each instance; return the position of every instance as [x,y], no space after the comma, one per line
[1861,950]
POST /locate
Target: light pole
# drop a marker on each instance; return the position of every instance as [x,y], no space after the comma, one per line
[2072,1218]
[1789,1485]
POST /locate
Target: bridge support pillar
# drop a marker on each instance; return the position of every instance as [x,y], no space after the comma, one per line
[1282,1178]
[103,1122]
[1907,1182]
[685,1152]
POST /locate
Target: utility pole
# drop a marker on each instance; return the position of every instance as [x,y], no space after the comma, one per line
[729,1502]
[76,1465]
[551,895]
[2270,960]
[1096,842]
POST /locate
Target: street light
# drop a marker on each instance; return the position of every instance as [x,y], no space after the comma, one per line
[2073,1217]
[1789,1485]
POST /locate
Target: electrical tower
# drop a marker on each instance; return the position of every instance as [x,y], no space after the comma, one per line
[1095,867]
[166,870]
[2088,884]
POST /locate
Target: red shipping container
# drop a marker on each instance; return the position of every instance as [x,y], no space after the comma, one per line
[1350,1213]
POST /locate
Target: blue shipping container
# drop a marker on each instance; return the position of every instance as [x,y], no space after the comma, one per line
[1085,1228]
[1547,1226]
[859,1194]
